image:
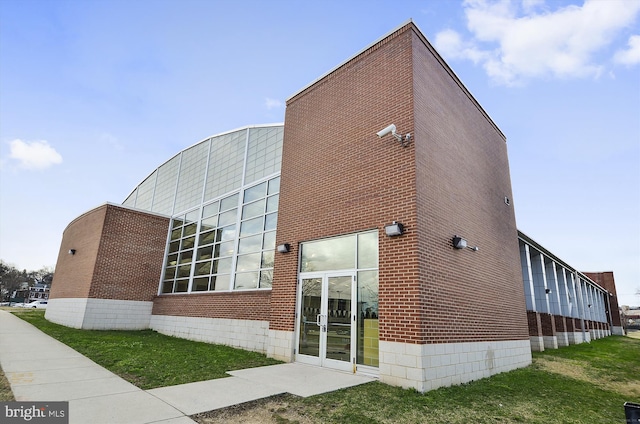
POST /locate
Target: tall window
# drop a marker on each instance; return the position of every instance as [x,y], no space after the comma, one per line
[228,244]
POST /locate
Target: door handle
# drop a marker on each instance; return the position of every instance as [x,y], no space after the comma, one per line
[318,320]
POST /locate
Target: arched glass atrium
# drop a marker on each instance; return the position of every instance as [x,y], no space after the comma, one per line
[222,196]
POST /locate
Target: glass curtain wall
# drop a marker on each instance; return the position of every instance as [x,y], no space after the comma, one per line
[222,194]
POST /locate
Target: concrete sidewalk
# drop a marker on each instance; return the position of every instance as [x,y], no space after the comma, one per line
[40,368]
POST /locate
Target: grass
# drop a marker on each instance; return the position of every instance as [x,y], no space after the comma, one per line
[585,383]
[149,359]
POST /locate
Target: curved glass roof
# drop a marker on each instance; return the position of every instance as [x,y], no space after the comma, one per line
[207,170]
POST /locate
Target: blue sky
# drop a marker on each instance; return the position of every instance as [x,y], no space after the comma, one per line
[95,94]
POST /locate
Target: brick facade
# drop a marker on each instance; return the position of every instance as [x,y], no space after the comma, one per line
[118,255]
[338,178]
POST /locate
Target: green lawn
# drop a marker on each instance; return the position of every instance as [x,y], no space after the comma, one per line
[149,359]
[586,383]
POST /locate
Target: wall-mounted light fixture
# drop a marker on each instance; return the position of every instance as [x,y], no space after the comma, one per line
[72,251]
[391,129]
[461,243]
[589,305]
[284,248]
[547,291]
[394,229]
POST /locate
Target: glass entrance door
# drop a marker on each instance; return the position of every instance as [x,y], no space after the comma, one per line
[326,320]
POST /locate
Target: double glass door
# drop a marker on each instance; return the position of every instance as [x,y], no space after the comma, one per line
[326,320]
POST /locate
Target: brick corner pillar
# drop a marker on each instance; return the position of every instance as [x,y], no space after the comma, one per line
[535,331]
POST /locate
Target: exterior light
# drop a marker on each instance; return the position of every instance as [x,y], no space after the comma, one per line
[547,291]
[394,229]
[72,251]
[461,243]
[284,248]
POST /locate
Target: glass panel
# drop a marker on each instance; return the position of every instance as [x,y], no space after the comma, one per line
[274,186]
[205,253]
[223,265]
[227,233]
[188,243]
[250,244]
[220,282]
[172,259]
[255,192]
[186,256]
[227,218]
[266,279]
[176,234]
[193,216]
[248,262]
[209,210]
[182,286]
[251,226]
[368,250]
[177,222]
[174,246]
[184,271]
[247,280]
[272,203]
[209,223]
[269,240]
[339,318]
[229,202]
[253,209]
[309,339]
[267,259]
[200,284]
[170,273]
[225,249]
[190,229]
[331,254]
[207,238]
[367,319]
[270,221]
[167,286]
[203,268]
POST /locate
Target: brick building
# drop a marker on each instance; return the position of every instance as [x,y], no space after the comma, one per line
[317,241]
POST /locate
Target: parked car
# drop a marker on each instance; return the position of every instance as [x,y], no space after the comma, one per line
[36,304]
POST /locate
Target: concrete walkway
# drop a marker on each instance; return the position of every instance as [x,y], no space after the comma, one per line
[40,368]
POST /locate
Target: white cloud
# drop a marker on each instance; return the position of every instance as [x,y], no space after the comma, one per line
[34,154]
[272,103]
[631,56]
[513,43]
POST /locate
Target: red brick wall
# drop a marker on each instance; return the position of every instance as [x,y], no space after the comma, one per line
[606,281]
[74,273]
[338,178]
[129,262]
[535,327]
[252,305]
[119,254]
[462,181]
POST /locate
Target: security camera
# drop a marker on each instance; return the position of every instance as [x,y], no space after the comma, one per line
[391,129]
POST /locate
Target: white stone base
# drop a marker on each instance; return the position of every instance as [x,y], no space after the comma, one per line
[537,343]
[563,339]
[99,314]
[281,345]
[587,337]
[617,331]
[575,337]
[243,334]
[427,367]
[550,342]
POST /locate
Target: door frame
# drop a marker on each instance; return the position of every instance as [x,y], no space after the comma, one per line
[322,360]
